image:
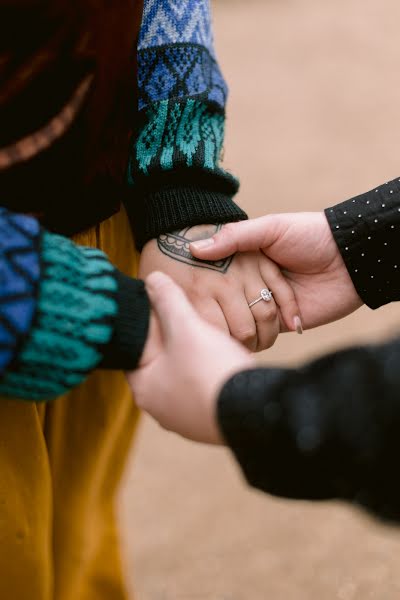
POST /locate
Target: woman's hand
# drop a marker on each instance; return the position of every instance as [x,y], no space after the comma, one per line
[222,290]
[302,244]
[179,384]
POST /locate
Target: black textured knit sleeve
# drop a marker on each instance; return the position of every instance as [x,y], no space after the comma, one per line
[367,231]
[327,430]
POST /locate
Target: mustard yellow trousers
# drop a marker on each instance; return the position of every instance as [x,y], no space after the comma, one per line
[60,466]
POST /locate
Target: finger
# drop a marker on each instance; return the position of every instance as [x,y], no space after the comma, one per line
[265,315]
[284,295]
[211,311]
[267,334]
[237,237]
[169,302]
[239,318]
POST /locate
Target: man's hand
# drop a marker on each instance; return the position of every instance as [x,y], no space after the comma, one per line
[221,290]
[302,244]
[179,384]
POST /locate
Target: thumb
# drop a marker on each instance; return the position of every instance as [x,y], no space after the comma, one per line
[237,237]
[169,303]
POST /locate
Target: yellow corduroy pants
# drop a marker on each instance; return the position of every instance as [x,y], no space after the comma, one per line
[60,466]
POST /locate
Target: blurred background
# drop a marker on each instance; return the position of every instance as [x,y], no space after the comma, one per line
[313,119]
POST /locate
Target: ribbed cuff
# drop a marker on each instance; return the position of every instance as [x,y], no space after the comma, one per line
[170,209]
[130,327]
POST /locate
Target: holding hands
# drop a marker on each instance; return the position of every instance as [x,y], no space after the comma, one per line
[183,369]
[303,246]
[184,366]
[222,288]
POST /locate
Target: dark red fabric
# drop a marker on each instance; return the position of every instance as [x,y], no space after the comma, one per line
[46,48]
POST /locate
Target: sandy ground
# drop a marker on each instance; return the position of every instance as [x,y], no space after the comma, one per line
[313,119]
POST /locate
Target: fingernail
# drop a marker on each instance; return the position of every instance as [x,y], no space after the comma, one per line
[298,325]
[201,244]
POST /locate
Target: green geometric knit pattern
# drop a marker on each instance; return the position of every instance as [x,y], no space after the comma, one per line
[75,312]
[177,134]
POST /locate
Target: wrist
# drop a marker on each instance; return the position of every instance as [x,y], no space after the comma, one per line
[131,325]
[173,208]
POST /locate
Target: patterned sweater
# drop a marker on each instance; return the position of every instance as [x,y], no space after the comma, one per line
[174,161]
[64,310]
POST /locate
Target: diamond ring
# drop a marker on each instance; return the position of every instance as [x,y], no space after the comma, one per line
[265,295]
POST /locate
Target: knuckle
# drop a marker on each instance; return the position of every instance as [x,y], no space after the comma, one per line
[269,314]
[194,278]
[228,234]
[227,230]
[229,283]
[247,335]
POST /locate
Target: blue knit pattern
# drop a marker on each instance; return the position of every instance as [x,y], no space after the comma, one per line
[19,276]
[176,56]
[176,21]
[182,93]
[74,319]
[179,71]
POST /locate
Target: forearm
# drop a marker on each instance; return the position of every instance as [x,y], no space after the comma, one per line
[328,430]
[366,230]
[65,311]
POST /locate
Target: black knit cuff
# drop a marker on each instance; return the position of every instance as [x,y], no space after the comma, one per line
[366,230]
[131,325]
[169,201]
[168,210]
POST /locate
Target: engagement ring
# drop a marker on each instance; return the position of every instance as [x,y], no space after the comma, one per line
[265,295]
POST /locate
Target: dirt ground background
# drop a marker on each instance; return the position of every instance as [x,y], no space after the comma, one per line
[313,118]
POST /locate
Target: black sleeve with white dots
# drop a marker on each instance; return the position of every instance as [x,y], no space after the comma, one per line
[331,428]
[367,232]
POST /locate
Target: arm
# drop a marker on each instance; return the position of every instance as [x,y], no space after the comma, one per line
[64,310]
[366,230]
[178,190]
[334,262]
[327,430]
[174,168]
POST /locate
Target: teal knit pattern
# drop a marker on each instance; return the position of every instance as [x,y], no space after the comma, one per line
[175,176]
[75,312]
[178,134]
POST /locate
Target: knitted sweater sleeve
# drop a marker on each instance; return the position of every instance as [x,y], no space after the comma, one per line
[174,172]
[64,310]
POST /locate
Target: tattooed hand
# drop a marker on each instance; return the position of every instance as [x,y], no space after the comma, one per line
[176,246]
[222,290]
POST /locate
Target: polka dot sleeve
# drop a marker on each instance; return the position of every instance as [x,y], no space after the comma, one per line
[367,231]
